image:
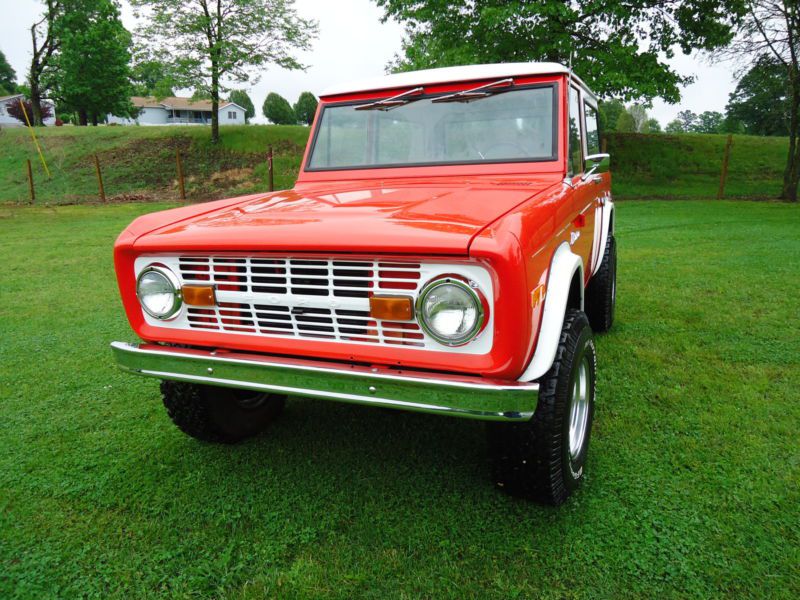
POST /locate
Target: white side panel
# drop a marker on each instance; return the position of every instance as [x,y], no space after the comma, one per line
[608,210]
[562,268]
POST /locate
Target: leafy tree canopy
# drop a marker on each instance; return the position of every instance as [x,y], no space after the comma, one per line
[687,120]
[92,74]
[626,123]
[305,108]
[651,126]
[761,100]
[675,126]
[151,77]
[609,112]
[709,121]
[620,47]
[241,98]
[8,78]
[278,110]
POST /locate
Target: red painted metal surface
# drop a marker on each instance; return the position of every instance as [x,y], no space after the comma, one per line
[510,217]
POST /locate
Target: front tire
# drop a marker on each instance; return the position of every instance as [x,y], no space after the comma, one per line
[216,414]
[543,459]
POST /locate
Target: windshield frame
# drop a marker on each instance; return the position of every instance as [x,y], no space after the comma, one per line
[554,85]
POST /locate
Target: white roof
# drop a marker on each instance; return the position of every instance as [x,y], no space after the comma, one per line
[451,74]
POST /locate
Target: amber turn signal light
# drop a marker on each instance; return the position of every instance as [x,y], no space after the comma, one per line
[391,308]
[198,295]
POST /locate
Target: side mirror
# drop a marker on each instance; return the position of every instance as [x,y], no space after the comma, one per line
[596,163]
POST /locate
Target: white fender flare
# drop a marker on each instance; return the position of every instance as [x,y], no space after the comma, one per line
[562,268]
[607,228]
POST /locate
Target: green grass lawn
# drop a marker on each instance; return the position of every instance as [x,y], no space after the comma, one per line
[693,482]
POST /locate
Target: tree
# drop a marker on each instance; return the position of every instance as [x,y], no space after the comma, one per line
[626,123]
[761,102]
[675,126]
[651,126]
[306,108]
[688,120]
[8,78]
[278,110]
[215,41]
[45,38]
[241,98]
[771,28]
[15,110]
[621,47]
[151,77]
[91,75]
[709,121]
[640,116]
[609,112]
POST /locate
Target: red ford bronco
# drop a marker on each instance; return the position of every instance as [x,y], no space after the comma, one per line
[448,248]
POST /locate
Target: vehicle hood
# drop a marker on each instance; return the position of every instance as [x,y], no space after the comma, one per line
[437,218]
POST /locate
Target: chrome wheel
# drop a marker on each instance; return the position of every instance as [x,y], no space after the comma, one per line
[579,409]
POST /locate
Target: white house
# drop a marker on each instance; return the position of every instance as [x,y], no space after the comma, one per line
[180,111]
[7,120]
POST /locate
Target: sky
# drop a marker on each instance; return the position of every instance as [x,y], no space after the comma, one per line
[353,44]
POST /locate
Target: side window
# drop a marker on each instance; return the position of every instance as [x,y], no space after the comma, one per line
[574,163]
[592,132]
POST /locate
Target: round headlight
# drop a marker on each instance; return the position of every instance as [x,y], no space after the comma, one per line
[450,311]
[159,292]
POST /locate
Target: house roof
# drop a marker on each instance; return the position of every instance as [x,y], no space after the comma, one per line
[175,102]
[11,97]
[451,74]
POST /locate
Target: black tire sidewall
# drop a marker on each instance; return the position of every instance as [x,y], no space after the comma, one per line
[235,421]
[612,281]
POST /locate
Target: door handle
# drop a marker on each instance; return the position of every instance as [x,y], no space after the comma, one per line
[598,179]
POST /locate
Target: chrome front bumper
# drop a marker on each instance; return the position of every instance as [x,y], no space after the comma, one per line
[454,395]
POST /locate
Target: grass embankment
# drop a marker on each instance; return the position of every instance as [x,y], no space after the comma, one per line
[138,163]
[689,165]
[692,482]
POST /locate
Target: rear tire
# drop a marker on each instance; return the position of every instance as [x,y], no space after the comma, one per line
[601,293]
[543,459]
[216,414]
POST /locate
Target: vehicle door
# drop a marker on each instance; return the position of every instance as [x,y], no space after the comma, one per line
[598,183]
[581,228]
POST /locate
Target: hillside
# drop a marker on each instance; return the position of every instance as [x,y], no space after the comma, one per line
[138,163]
[689,165]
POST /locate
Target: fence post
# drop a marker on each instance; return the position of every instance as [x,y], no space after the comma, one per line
[180,174]
[270,170]
[99,178]
[724,175]
[30,181]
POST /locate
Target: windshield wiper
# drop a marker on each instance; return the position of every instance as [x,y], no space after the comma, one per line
[478,92]
[394,101]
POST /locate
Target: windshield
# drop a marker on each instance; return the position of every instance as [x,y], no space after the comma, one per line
[513,126]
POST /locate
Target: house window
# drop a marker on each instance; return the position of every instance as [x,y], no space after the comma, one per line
[232,115]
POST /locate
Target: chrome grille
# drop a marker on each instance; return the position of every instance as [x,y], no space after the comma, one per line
[282,279]
[326,299]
